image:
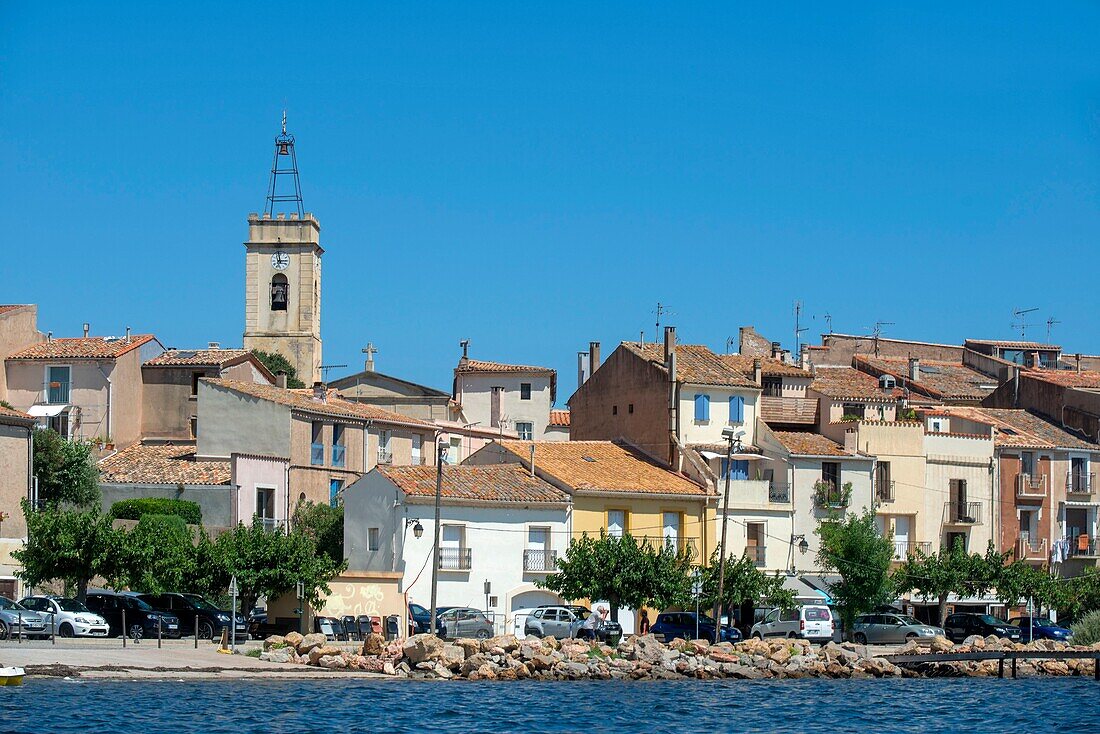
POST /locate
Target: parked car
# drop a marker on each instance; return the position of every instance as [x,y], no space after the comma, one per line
[960,626]
[141,619]
[192,610]
[670,625]
[1041,629]
[464,622]
[70,617]
[553,620]
[811,622]
[17,621]
[890,628]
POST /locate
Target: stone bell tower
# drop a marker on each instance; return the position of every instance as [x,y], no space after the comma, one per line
[282,310]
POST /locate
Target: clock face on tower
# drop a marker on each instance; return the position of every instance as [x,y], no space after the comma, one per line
[280,260]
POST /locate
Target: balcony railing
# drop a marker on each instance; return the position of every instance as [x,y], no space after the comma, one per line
[905,548]
[540,561]
[455,559]
[828,495]
[681,544]
[1031,486]
[800,411]
[779,494]
[884,490]
[1028,548]
[1082,546]
[962,513]
[271,524]
[756,553]
[317,454]
[57,393]
[385,456]
[339,453]
[1080,482]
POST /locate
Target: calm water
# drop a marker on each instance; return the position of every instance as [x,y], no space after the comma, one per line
[1036,705]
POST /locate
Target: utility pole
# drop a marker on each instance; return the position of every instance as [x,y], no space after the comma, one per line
[440,453]
[730,438]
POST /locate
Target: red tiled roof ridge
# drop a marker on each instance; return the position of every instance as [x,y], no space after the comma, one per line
[91,347]
[481,365]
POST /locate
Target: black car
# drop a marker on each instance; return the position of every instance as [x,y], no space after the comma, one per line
[960,626]
[141,619]
[193,610]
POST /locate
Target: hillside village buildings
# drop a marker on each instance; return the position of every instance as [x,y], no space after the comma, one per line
[984,442]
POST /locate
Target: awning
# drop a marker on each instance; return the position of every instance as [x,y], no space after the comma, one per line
[1080,503]
[47,411]
[805,591]
[711,455]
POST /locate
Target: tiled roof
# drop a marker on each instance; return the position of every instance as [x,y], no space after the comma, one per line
[847,382]
[493,483]
[1014,344]
[477,365]
[197,357]
[1021,428]
[1066,378]
[333,404]
[602,466]
[162,464]
[768,367]
[559,418]
[92,347]
[695,364]
[11,413]
[944,380]
[9,307]
[802,443]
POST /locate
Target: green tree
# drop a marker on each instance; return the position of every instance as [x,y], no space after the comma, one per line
[325,525]
[853,548]
[1080,594]
[276,362]
[951,570]
[65,469]
[71,546]
[1020,581]
[745,586]
[623,572]
[158,555]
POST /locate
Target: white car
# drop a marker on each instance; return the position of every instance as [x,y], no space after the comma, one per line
[810,622]
[69,617]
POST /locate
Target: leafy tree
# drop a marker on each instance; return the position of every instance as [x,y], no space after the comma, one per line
[158,554]
[72,546]
[745,586]
[325,525]
[951,570]
[65,469]
[1019,581]
[276,362]
[853,548]
[207,574]
[1080,595]
[623,572]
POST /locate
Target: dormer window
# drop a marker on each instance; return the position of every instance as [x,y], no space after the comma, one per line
[887,382]
[280,292]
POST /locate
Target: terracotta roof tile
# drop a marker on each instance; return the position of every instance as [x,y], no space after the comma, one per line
[810,444]
[695,364]
[493,483]
[847,382]
[197,357]
[602,466]
[93,347]
[303,400]
[1014,344]
[162,464]
[768,367]
[477,365]
[559,418]
[944,380]
[9,307]
[1021,428]
[16,414]
[1066,378]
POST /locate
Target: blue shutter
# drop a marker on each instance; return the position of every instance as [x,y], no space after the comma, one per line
[737,409]
[739,470]
[725,469]
[702,407]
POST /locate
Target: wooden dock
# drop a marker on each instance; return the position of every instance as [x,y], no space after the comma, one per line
[1000,656]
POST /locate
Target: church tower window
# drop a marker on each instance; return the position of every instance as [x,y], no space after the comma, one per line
[279,292]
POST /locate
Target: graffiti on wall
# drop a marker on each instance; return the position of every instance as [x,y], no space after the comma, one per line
[359,598]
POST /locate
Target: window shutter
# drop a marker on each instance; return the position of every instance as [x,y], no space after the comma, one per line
[702,407]
[737,409]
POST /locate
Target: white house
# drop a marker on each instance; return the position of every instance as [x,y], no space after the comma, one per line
[511,397]
[502,529]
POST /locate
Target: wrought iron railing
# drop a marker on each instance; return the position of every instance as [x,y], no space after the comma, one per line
[1080,482]
[884,490]
[756,553]
[1084,546]
[536,560]
[455,559]
[779,494]
[385,456]
[962,513]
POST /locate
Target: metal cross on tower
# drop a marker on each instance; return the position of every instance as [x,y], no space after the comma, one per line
[284,164]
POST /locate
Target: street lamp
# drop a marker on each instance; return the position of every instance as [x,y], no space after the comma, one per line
[732,438]
[418,529]
[803,546]
[440,457]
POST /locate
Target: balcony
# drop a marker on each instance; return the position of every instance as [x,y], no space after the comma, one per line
[831,497]
[338,454]
[1031,487]
[756,553]
[1031,549]
[1082,546]
[905,548]
[57,393]
[385,456]
[789,411]
[1080,482]
[884,490]
[962,513]
[540,561]
[455,559]
[779,495]
[681,544]
[271,524]
[317,454]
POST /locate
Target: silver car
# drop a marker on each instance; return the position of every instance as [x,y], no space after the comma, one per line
[16,621]
[69,616]
[891,628]
[465,622]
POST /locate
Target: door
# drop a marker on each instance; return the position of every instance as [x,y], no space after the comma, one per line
[1078,475]
[754,542]
[450,548]
[553,623]
[538,554]
[891,629]
[771,621]
[671,529]
[789,622]
[265,506]
[830,474]
[901,535]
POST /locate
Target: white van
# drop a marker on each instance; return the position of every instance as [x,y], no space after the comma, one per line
[812,622]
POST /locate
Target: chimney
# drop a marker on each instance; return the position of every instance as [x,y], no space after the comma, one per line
[320,392]
[127,334]
[1034,359]
[758,372]
[280,379]
[914,369]
[494,406]
[49,337]
[777,350]
[87,329]
[1078,355]
[804,357]
[851,440]
[465,344]
[582,368]
[670,343]
[593,357]
[213,345]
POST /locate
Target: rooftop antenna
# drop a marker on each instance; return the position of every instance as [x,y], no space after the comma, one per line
[798,328]
[878,332]
[285,164]
[326,367]
[1020,322]
[662,310]
[1050,325]
[729,343]
[829,322]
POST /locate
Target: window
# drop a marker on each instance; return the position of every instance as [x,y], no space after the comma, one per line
[454,453]
[339,450]
[58,380]
[525,391]
[385,456]
[614,410]
[737,409]
[936,425]
[616,523]
[195,377]
[702,407]
[953,538]
[670,530]
[526,431]
[853,410]
[736,469]
[265,506]
[373,539]
[335,487]
[417,442]
[830,473]
[280,292]
[317,445]
[773,386]
[630,408]
[1027,463]
[887,382]
[194,427]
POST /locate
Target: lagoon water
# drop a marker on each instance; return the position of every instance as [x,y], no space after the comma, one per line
[970,705]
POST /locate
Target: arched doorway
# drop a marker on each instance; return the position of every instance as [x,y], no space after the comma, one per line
[524,598]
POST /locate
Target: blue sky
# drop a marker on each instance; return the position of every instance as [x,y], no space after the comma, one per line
[534,178]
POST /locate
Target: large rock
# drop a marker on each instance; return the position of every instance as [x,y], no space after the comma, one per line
[317,653]
[505,642]
[276,655]
[331,662]
[941,644]
[780,656]
[311,641]
[423,648]
[470,646]
[648,649]
[571,671]
[374,644]
[975,641]
[274,641]
[293,639]
[453,657]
